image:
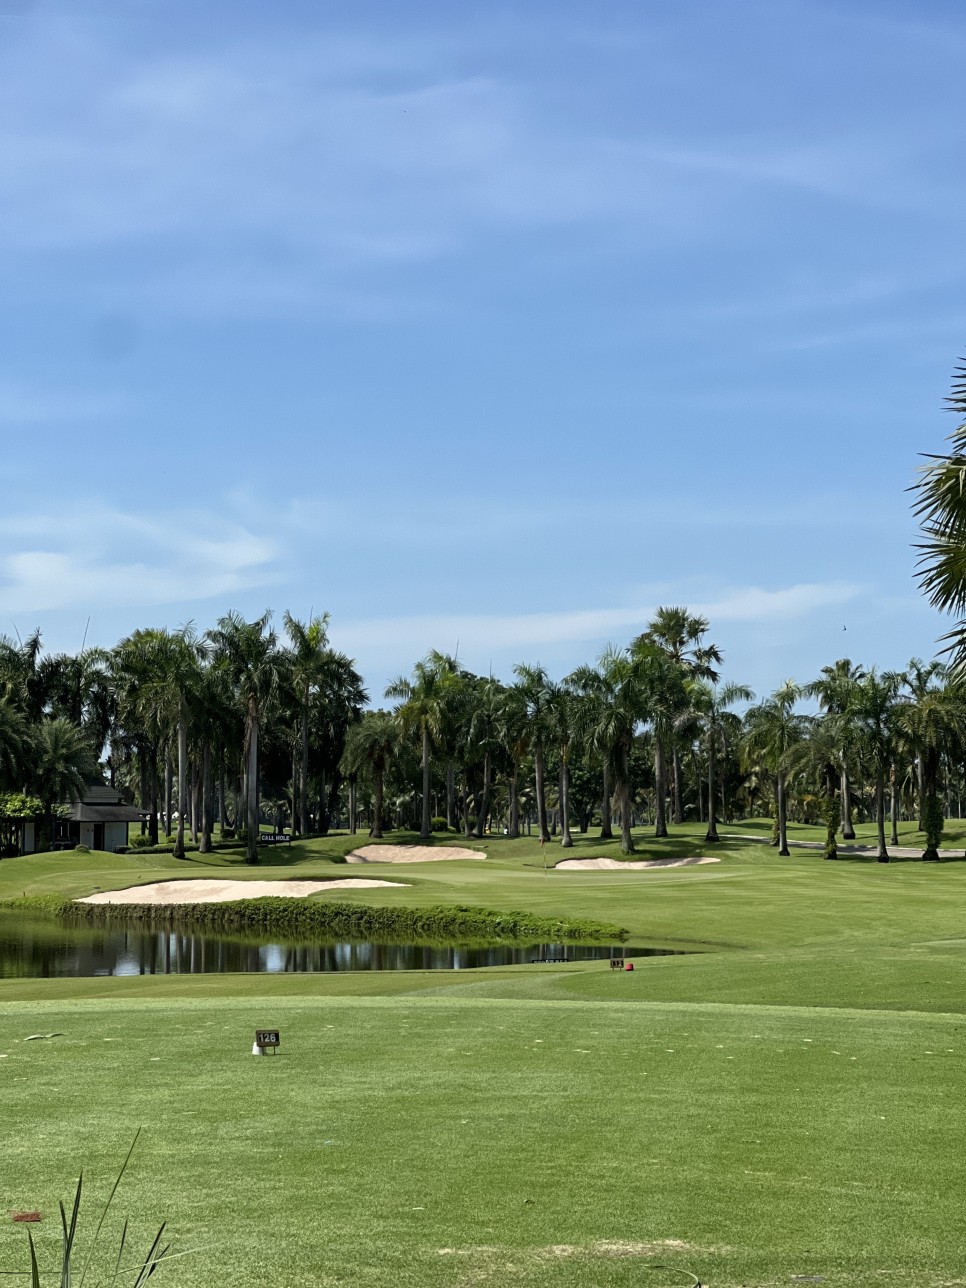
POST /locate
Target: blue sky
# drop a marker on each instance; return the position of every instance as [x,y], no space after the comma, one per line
[489,326]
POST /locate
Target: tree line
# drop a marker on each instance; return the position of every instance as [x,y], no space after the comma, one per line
[215,733]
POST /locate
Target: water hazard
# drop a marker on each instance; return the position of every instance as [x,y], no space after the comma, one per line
[35,948]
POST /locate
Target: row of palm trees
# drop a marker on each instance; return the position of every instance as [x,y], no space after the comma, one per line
[179,716]
[634,723]
[231,725]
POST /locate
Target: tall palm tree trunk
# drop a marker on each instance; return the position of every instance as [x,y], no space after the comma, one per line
[883,855]
[606,828]
[206,799]
[660,790]
[676,786]
[450,793]
[182,786]
[513,823]
[921,792]
[566,840]
[711,836]
[538,776]
[251,855]
[782,819]
[848,831]
[425,830]
[894,805]
[484,808]
[153,822]
[304,768]
[168,788]
[624,801]
[352,804]
[376,830]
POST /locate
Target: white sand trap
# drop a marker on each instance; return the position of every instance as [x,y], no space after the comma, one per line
[411,854]
[620,865]
[225,891]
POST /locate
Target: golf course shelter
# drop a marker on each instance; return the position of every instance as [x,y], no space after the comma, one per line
[100,820]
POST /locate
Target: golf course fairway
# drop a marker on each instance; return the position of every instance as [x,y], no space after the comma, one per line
[784,1105]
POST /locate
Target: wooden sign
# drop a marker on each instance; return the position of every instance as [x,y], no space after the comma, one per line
[267,1038]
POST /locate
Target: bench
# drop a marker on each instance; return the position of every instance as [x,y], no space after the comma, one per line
[274,838]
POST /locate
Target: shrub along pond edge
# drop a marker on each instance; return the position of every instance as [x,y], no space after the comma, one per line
[330,919]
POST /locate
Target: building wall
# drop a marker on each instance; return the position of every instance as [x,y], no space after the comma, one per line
[86,836]
[115,834]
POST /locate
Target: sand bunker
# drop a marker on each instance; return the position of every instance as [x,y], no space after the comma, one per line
[225,891]
[621,865]
[411,854]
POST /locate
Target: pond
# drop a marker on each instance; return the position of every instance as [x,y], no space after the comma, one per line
[38,948]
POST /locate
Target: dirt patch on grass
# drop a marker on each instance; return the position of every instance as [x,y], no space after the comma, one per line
[621,865]
[411,854]
[176,892]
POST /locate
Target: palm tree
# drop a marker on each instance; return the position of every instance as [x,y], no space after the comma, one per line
[13,739]
[514,730]
[247,653]
[309,644]
[371,744]
[680,635]
[536,692]
[940,507]
[561,719]
[835,690]
[169,696]
[667,705]
[818,757]
[422,714]
[63,763]
[483,735]
[872,712]
[772,729]
[933,720]
[711,704]
[623,684]
[589,685]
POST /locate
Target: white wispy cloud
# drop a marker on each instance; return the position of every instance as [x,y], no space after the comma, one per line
[96,558]
[414,635]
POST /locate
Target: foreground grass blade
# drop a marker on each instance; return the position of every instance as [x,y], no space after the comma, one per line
[107,1206]
[34,1272]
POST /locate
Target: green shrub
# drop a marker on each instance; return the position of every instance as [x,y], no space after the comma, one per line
[82,849]
[439,824]
[140,840]
[318,919]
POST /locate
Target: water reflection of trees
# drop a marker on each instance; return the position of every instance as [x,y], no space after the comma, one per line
[47,949]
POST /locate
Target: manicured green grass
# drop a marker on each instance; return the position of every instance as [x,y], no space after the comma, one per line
[785,1102]
[441,1140]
